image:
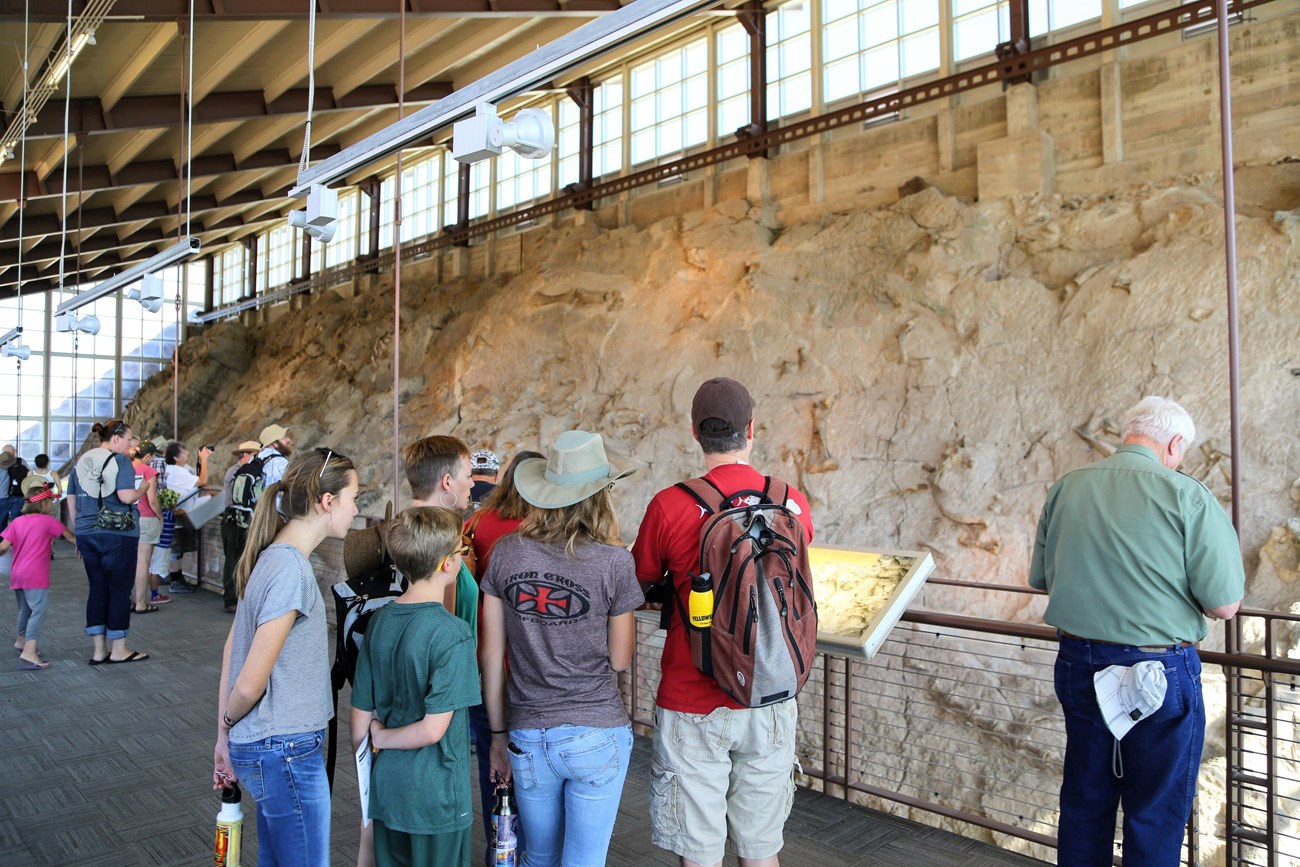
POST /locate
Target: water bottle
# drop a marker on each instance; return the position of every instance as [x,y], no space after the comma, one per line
[700,602]
[230,825]
[505,835]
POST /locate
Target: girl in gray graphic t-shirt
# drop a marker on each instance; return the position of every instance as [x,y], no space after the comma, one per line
[560,594]
[274,701]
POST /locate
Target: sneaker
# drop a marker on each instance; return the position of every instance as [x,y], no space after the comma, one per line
[180,588]
[159,598]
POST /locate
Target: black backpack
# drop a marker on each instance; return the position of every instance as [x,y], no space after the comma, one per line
[17,473]
[356,601]
[246,486]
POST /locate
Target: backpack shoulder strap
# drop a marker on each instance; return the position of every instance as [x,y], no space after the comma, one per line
[708,495]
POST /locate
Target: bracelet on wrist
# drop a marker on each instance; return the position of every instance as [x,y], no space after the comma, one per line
[225,718]
[499,731]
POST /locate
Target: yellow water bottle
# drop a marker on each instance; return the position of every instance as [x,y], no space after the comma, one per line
[230,824]
[700,601]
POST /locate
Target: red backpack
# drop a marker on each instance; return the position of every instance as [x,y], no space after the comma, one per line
[761,645]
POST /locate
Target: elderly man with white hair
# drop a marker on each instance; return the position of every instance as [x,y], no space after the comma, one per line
[1134,557]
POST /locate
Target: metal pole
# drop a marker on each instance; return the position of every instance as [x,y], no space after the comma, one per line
[397,268]
[1230,251]
[1232,633]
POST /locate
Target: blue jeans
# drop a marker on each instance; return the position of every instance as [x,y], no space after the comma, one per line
[285,774]
[109,559]
[1160,758]
[568,782]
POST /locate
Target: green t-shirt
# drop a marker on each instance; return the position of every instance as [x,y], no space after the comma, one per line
[418,659]
[1133,553]
[467,599]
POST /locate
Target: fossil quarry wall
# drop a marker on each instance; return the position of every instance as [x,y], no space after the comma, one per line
[923,371]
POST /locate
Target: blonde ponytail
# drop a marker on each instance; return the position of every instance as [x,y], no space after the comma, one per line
[262,530]
[307,478]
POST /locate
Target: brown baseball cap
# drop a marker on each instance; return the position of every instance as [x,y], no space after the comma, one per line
[726,401]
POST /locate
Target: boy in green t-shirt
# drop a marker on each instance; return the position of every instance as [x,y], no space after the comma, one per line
[416,675]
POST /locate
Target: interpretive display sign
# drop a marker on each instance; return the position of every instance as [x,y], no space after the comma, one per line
[861,594]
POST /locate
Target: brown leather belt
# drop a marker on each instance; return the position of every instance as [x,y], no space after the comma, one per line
[1145,648]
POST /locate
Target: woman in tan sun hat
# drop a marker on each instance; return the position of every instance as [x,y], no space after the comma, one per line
[560,594]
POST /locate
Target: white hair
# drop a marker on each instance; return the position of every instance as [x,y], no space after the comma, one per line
[1160,419]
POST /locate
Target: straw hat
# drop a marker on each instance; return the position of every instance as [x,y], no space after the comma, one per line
[574,469]
[364,550]
[248,447]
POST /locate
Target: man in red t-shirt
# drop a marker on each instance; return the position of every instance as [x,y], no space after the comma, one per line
[720,770]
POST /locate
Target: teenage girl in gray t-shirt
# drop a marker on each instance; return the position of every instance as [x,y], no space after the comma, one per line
[560,593]
[274,701]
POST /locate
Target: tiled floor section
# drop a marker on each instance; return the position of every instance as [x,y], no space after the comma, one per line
[111,765]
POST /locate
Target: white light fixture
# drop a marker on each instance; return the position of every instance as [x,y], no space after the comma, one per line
[531,134]
[602,35]
[9,347]
[149,296]
[60,67]
[69,322]
[320,218]
[180,252]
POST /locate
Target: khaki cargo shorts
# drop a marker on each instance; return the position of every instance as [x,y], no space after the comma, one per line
[150,530]
[723,776]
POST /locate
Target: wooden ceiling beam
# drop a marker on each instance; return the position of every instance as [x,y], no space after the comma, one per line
[100,177]
[366,68]
[297,10]
[146,52]
[328,46]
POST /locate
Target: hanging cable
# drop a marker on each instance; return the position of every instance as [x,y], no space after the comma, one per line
[22,206]
[189,147]
[311,82]
[67,124]
[397,265]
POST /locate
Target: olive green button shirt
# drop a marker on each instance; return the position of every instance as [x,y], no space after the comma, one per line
[1132,552]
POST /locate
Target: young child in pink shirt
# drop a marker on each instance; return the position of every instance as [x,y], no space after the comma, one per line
[30,536]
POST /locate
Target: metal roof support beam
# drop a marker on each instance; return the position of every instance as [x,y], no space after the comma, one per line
[296,10]
[132,113]
[592,39]
[153,172]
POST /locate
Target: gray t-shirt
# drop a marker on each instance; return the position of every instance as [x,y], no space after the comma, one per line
[557,611]
[297,697]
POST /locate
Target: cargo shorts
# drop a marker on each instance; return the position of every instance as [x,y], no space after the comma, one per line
[723,776]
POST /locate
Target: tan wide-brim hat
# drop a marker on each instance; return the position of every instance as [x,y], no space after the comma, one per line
[271,433]
[247,447]
[364,550]
[574,469]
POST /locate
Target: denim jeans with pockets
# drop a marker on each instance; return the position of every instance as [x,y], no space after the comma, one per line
[1158,758]
[285,774]
[568,783]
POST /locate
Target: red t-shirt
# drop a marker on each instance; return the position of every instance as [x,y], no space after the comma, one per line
[668,542]
[490,527]
[487,530]
[143,472]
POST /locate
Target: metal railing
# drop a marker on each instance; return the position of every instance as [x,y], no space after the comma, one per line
[955,723]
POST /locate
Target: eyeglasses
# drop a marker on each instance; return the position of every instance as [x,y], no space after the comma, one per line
[463,550]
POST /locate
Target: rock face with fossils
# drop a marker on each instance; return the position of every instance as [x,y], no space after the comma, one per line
[923,371]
